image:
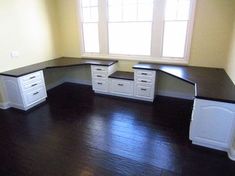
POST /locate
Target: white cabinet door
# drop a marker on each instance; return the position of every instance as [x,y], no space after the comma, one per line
[212,124]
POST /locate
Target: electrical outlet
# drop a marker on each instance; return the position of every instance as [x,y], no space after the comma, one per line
[15,54]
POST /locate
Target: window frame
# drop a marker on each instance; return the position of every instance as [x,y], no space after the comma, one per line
[156,39]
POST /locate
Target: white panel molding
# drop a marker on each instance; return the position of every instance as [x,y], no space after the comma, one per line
[77,81]
[231,153]
[5,105]
[54,84]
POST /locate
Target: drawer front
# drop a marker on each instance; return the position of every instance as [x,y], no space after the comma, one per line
[144,79]
[33,85]
[35,95]
[143,91]
[145,73]
[99,68]
[99,75]
[100,85]
[31,77]
[122,87]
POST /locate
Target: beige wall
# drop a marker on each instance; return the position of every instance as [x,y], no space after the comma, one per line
[230,66]
[212,32]
[69,27]
[29,27]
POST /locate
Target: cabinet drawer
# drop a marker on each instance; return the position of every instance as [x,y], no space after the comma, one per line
[144,79]
[144,91]
[31,77]
[99,68]
[100,85]
[33,85]
[35,95]
[122,87]
[145,73]
[99,75]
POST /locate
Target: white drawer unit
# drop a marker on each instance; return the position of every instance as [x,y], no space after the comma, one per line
[121,87]
[100,77]
[145,81]
[26,91]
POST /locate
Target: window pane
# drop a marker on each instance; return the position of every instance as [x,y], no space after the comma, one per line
[115,13]
[174,39]
[183,10]
[130,12]
[91,37]
[115,2]
[145,12]
[171,9]
[94,2]
[90,14]
[130,38]
[85,3]
[177,9]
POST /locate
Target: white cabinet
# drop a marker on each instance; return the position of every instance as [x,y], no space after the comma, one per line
[212,124]
[145,81]
[100,77]
[120,87]
[26,91]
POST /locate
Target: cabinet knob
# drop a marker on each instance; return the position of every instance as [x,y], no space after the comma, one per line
[33,85]
[32,77]
[36,93]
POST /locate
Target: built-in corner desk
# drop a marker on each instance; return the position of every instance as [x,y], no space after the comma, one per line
[213,116]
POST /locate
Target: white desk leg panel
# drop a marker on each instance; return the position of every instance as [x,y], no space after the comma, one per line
[212,124]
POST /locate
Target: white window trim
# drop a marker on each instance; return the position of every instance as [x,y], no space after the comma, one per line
[103,41]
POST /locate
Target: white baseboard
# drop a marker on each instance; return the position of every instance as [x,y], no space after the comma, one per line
[77,81]
[175,94]
[69,80]
[5,105]
[54,84]
[231,153]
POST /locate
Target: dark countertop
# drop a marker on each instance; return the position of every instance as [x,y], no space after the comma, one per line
[122,75]
[211,83]
[56,63]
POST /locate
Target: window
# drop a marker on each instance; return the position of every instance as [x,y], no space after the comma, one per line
[146,29]
[90,25]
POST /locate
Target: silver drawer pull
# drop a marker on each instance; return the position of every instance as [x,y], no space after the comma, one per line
[99,83]
[32,77]
[144,73]
[120,84]
[144,81]
[33,85]
[143,89]
[99,76]
[36,93]
[99,69]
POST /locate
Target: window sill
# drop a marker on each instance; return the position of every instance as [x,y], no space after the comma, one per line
[165,60]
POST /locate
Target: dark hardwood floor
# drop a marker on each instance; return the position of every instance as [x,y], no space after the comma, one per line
[78,133]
